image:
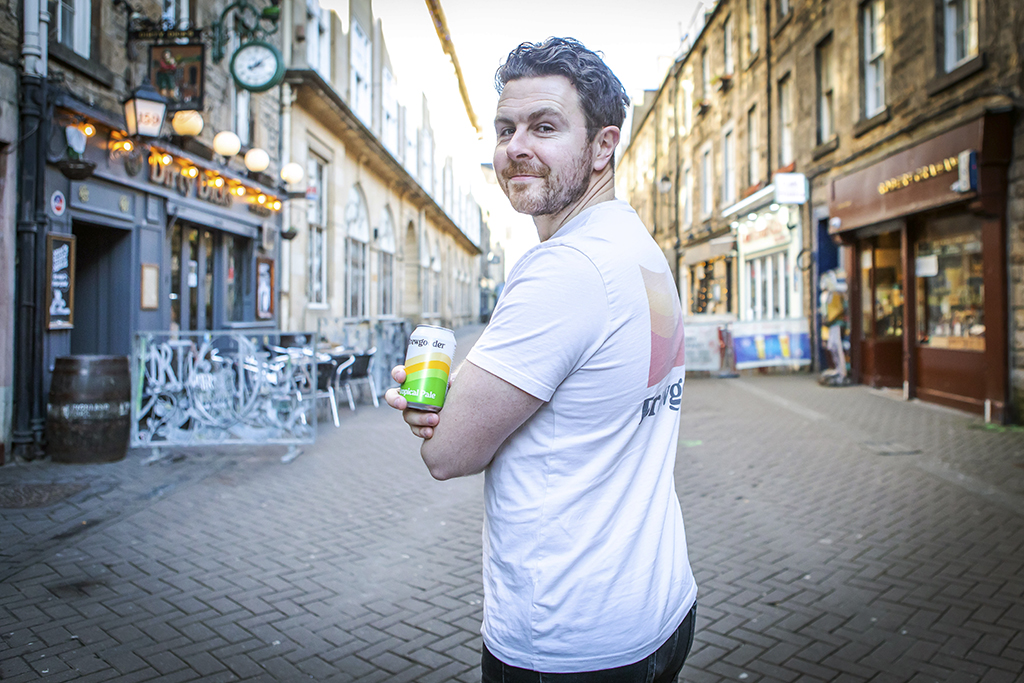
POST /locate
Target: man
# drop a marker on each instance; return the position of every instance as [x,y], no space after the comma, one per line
[569,401]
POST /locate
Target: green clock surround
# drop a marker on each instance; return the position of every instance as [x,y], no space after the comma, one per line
[257,66]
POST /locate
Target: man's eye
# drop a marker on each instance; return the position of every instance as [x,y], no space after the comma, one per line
[505,132]
[545,128]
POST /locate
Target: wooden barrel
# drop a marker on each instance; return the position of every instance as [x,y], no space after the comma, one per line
[88,418]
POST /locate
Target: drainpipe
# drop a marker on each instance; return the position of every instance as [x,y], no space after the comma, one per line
[29,403]
[768,83]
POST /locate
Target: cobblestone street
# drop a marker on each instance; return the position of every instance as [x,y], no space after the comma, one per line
[837,534]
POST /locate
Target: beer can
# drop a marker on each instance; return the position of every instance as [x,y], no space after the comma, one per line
[428,362]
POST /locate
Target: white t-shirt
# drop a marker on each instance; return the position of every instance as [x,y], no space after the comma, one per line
[585,563]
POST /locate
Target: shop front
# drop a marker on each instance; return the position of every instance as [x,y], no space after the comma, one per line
[159,239]
[928,296]
[772,329]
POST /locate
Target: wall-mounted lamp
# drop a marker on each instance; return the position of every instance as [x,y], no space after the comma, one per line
[144,112]
[187,122]
[292,173]
[257,160]
[226,143]
[665,185]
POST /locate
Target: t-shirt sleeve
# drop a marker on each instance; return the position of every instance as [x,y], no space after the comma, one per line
[552,313]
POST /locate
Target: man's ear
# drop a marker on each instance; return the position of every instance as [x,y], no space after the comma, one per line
[605,142]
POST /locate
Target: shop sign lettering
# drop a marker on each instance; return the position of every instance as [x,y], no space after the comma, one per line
[170,177]
[925,172]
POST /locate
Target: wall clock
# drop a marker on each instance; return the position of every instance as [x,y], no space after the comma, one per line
[257,66]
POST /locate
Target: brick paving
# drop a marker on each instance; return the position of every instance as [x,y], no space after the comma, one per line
[837,534]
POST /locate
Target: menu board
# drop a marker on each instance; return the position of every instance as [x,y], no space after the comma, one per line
[60,278]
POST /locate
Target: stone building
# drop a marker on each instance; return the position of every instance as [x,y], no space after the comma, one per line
[127,228]
[889,141]
[386,227]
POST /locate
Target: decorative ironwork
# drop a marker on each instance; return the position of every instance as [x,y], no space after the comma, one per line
[224,387]
[248,22]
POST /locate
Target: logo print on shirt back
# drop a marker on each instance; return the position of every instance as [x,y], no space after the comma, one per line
[667,350]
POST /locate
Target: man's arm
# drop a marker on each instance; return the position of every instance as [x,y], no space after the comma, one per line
[480,412]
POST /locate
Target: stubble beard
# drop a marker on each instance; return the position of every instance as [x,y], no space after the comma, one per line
[556,193]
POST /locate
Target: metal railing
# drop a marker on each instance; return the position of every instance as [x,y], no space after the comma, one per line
[221,387]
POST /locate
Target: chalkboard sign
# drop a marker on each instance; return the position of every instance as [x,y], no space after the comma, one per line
[60,278]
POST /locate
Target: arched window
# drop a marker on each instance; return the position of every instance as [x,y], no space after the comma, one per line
[435,278]
[357,225]
[386,264]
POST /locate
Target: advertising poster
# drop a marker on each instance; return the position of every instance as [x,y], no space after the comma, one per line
[703,351]
[60,279]
[771,343]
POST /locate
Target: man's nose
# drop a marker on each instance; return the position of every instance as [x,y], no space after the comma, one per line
[518,146]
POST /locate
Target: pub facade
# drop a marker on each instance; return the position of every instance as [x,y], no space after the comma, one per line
[155,203]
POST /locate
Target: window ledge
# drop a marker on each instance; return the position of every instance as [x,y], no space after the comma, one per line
[864,125]
[825,148]
[318,307]
[89,67]
[783,21]
[962,72]
[752,59]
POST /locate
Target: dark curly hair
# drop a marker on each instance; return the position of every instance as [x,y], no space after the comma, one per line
[602,97]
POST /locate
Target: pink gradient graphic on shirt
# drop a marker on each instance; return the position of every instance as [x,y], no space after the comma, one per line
[667,348]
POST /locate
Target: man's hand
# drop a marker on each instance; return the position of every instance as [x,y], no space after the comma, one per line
[421,422]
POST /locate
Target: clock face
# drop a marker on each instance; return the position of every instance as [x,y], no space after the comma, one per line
[257,66]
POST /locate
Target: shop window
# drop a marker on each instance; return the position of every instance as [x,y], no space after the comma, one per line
[770,283]
[961,32]
[950,288]
[710,287]
[74,26]
[873,51]
[239,258]
[881,287]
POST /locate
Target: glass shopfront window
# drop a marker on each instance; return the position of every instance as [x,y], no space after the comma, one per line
[950,286]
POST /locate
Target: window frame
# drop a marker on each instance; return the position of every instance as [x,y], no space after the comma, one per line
[707,172]
[952,29]
[728,51]
[824,65]
[753,152]
[729,184]
[785,97]
[361,72]
[317,217]
[872,30]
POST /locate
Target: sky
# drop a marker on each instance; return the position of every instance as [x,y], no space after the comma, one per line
[638,39]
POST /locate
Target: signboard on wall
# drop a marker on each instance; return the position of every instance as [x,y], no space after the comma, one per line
[60,279]
[178,73]
[770,343]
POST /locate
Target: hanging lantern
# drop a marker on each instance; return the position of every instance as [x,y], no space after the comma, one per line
[144,111]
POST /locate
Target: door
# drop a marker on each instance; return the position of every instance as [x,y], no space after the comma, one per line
[192,277]
[103,285]
[880,260]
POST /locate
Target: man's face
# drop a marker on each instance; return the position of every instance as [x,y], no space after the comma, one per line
[542,160]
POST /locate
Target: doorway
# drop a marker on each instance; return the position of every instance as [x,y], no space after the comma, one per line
[211,278]
[880,260]
[103,285]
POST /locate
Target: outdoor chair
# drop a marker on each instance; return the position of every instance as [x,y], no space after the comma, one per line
[360,372]
[328,371]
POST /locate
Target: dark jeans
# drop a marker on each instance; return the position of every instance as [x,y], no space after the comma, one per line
[661,667]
